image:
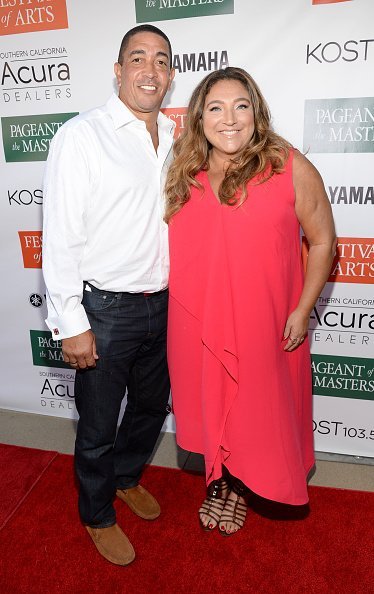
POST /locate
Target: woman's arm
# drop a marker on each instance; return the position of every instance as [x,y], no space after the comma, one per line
[313,211]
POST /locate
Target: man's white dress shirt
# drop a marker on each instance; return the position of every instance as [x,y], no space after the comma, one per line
[103,211]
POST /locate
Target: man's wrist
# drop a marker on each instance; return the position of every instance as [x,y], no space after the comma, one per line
[69,324]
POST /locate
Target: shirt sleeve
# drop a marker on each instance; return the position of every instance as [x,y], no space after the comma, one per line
[66,190]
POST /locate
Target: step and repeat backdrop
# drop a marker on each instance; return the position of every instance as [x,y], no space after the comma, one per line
[313,60]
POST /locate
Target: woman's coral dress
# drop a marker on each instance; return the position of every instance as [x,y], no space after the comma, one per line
[240,399]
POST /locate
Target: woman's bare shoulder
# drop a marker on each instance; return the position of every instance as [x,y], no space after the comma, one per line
[303,171]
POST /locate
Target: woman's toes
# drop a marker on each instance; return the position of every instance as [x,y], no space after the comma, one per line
[235,509]
[208,522]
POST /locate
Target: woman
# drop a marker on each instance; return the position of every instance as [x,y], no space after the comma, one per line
[237,194]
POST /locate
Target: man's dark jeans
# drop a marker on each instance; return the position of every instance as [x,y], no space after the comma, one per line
[130,332]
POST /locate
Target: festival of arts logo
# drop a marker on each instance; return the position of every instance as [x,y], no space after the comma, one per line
[31,245]
[343,377]
[163,10]
[27,138]
[354,260]
[178,116]
[46,352]
[23,16]
[344,125]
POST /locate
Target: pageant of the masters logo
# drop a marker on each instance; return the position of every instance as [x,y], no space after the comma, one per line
[46,351]
[344,377]
[57,389]
[27,138]
[23,16]
[163,10]
[339,125]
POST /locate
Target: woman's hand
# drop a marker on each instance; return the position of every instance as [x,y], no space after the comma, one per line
[296,329]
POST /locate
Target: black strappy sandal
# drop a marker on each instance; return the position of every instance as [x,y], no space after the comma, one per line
[234,510]
[214,504]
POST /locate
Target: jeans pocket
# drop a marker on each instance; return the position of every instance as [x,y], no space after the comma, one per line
[96,300]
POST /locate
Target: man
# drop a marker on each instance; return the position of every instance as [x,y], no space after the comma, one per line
[105,261]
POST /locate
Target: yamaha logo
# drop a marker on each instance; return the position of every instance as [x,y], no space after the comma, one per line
[36,300]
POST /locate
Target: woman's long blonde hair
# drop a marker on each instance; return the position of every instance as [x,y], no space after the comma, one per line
[264,154]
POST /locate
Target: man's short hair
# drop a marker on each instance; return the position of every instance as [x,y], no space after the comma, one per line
[142,29]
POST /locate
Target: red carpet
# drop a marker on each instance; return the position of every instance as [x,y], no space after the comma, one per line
[44,549]
[20,469]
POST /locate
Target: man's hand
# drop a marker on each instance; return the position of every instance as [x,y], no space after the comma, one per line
[80,351]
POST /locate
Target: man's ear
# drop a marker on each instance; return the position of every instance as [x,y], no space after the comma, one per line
[171,76]
[118,72]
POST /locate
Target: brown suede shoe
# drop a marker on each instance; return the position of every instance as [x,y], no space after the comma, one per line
[112,544]
[140,501]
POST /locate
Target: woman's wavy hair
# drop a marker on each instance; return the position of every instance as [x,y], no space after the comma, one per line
[263,156]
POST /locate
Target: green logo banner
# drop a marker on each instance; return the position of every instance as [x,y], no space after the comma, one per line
[163,10]
[339,125]
[343,377]
[46,352]
[27,138]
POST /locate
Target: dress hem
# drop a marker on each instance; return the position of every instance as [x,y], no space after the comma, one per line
[256,491]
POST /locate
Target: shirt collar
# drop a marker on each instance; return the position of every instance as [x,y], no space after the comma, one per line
[121,115]
[166,123]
